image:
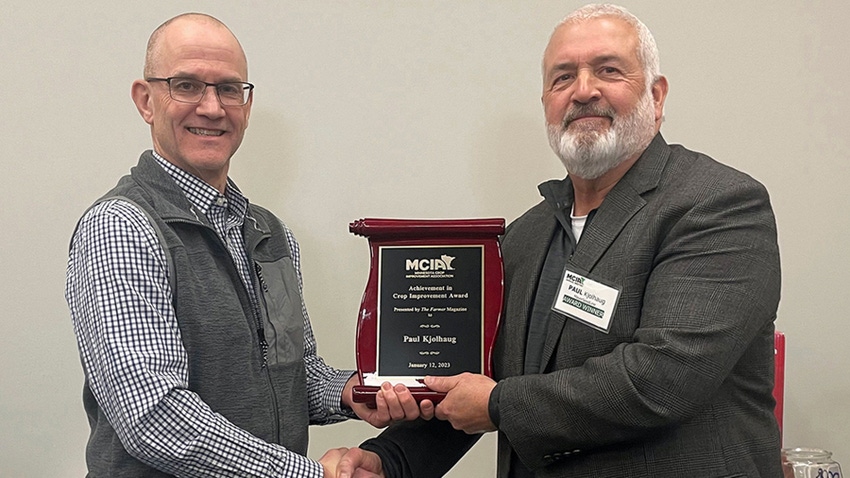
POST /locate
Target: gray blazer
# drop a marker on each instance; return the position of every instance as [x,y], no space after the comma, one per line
[681,385]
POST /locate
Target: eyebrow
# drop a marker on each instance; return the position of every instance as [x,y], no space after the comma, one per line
[607,59]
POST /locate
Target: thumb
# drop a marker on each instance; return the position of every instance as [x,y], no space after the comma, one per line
[440,384]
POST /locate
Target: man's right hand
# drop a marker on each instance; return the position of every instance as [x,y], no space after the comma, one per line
[330,460]
[359,463]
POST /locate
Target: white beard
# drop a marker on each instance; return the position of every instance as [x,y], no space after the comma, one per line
[589,153]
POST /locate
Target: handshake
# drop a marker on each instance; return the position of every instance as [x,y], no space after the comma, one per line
[465,406]
[351,463]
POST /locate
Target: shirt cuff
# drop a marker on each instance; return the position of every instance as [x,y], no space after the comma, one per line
[333,396]
[493,404]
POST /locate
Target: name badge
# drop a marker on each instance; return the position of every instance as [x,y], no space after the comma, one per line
[586,300]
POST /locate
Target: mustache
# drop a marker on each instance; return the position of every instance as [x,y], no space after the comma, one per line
[587,110]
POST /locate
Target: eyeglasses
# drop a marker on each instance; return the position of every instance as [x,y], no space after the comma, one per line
[189,90]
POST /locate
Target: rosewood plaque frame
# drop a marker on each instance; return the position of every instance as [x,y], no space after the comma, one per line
[432,302]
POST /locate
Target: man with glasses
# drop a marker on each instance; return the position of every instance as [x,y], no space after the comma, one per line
[186,299]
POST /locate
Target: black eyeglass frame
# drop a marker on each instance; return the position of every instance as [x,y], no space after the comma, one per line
[245,86]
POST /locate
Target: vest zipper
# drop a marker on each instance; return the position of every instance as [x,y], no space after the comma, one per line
[264,345]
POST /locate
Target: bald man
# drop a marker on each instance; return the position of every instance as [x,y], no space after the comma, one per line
[198,353]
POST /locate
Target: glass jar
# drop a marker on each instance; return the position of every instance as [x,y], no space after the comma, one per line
[809,463]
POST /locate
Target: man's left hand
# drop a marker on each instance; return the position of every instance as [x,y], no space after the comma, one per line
[392,404]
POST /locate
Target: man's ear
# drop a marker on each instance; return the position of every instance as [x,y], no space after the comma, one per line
[659,95]
[143,99]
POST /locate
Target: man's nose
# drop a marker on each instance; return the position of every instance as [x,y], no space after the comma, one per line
[586,88]
[210,105]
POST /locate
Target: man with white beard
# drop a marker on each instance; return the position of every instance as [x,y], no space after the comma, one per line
[640,295]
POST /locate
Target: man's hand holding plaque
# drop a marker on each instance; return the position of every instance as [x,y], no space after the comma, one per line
[465,405]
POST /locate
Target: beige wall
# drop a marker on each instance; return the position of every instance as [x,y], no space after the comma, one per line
[380,108]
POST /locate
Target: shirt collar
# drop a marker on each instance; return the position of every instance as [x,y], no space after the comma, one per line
[558,194]
[202,195]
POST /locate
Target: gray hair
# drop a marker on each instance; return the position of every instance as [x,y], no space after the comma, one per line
[647,52]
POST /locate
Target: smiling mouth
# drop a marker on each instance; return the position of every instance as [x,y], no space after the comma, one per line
[588,113]
[582,119]
[205,132]
[588,117]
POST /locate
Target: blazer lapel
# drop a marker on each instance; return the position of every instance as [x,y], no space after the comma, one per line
[620,205]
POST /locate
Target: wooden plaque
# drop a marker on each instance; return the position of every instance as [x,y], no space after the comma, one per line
[432,303]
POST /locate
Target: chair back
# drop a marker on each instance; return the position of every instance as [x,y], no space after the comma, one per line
[779,377]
